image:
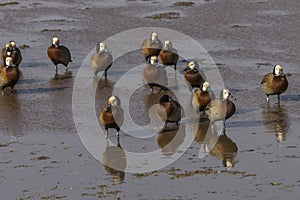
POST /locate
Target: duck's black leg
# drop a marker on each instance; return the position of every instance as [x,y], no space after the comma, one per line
[56,70]
[105,74]
[118,132]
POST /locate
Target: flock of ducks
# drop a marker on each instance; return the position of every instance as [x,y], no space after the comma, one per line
[170,111]
[12,57]
[9,70]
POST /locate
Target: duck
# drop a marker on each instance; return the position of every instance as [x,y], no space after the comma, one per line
[155,75]
[221,109]
[151,47]
[193,76]
[168,55]
[15,53]
[169,110]
[6,51]
[275,83]
[101,60]
[112,115]
[202,97]
[9,75]
[59,54]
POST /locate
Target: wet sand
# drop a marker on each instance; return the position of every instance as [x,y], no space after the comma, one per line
[42,156]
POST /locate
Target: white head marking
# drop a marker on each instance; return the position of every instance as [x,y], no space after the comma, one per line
[55,41]
[278,70]
[8,61]
[191,65]
[205,86]
[154,36]
[226,94]
[153,60]
[102,46]
[168,44]
[114,101]
[13,43]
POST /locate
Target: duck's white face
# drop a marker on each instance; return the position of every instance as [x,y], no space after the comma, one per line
[102,46]
[113,101]
[205,86]
[154,36]
[280,136]
[8,61]
[229,163]
[192,65]
[13,43]
[226,94]
[278,70]
[168,44]
[153,60]
[55,41]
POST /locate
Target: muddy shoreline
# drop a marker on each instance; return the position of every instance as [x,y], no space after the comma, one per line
[42,156]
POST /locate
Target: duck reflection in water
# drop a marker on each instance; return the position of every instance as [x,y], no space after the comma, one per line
[11,117]
[201,128]
[170,139]
[219,146]
[114,160]
[225,149]
[104,88]
[66,75]
[276,120]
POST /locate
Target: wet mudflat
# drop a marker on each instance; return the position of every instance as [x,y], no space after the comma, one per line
[42,156]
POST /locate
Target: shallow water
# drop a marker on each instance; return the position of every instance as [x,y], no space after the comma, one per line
[43,157]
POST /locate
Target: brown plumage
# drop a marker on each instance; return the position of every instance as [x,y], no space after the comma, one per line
[201,97]
[151,47]
[9,75]
[230,109]
[219,109]
[168,55]
[112,115]
[59,54]
[101,60]
[193,76]
[155,75]
[169,110]
[274,83]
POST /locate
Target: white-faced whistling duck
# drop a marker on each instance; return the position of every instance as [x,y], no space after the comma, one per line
[168,55]
[151,47]
[101,60]
[112,115]
[275,83]
[59,54]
